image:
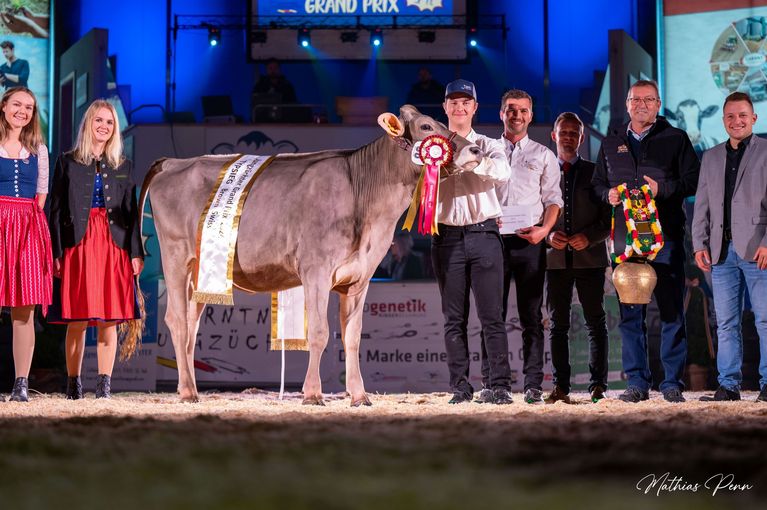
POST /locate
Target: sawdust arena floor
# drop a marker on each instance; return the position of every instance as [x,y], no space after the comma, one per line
[250,450]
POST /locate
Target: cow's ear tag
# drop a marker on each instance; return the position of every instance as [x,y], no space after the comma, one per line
[391,124]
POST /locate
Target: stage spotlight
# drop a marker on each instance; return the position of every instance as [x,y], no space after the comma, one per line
[348,37]
[214,35]
[427,36]
[472,41]
[304,38]
[259,37]
[376,37]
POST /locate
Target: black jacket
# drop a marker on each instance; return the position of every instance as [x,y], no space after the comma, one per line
[667,156]
[71,198]
[588,215]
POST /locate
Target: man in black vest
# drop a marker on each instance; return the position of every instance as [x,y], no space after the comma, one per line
[577,257]
[649,150]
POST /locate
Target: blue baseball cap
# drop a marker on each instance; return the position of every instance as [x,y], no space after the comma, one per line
[464,87]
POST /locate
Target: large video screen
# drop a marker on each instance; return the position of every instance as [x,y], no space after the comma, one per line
[363,12]
[708,53]
[25,43]
[340,29]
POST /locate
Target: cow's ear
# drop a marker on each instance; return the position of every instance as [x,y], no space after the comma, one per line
[407,112]
[391,124]
[670,115]
[708,112]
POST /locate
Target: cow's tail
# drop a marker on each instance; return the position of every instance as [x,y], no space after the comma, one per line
[130,332]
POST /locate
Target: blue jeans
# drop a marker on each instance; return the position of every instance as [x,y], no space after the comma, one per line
[669,295]
[730,277]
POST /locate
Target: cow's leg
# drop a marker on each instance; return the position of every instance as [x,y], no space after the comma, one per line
[351,327]
[194,312]
[179,291]
[317,292]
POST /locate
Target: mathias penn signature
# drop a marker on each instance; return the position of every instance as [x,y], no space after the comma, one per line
[720,482]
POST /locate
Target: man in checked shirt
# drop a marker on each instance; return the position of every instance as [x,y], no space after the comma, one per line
[532,191]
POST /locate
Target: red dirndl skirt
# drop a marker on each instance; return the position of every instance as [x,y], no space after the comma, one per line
[26,274]
[96,276]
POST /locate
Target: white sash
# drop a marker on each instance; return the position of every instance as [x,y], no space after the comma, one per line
[289,320]
[217,232]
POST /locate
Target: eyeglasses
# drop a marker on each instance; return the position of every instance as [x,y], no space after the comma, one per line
[649,101]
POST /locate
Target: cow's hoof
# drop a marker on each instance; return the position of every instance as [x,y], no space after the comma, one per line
[190,399]
[363,401]
[313,401]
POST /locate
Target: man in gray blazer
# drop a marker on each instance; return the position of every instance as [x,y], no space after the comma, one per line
[729,235]
[577,257]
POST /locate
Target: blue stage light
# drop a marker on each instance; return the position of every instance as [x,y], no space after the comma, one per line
[214,35]
[376,37]
[473,43]
[304,38]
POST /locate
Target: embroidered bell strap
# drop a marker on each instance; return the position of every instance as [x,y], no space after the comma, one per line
[290,323]
[645,244]
[217,229]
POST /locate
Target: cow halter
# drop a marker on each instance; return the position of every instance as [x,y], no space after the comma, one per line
[407,145]
[403,143]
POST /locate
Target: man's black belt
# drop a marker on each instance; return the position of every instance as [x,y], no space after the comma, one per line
[487,225]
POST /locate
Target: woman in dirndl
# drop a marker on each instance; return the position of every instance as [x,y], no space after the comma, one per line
[25,244]
[97,246]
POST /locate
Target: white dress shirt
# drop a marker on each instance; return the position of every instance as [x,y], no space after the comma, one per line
[535,176]
[42,165]
[466,198]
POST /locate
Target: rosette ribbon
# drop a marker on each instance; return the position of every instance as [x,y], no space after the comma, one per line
[434,152]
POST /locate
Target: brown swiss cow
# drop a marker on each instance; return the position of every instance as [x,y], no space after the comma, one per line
[323,220]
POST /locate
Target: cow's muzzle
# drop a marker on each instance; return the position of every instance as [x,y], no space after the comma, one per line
[467,159]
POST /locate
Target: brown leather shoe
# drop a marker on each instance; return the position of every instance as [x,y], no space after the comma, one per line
[558,395]
[597,393]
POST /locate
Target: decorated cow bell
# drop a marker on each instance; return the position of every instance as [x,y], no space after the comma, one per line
[634,282]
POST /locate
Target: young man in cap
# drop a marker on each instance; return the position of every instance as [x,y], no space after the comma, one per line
[467,253]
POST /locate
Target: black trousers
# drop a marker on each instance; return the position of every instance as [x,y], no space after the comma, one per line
[590,285]
[526,263]
[471,258]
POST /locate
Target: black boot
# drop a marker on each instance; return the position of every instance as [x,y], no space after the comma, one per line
[103,386]
[74,388]
[19,392]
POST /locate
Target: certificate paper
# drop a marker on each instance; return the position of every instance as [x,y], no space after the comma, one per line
[515,217]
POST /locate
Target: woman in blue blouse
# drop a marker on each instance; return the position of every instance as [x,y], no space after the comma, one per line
[25,244]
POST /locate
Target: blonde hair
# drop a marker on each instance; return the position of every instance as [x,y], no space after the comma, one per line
[113,150]
[31,136]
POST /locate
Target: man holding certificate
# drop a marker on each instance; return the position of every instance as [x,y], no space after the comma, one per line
[530,204]
[467,254]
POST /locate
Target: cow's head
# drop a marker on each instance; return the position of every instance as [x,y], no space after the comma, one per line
[689,117]
[411,127]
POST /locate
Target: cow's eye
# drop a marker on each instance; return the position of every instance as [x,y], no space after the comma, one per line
[426,127]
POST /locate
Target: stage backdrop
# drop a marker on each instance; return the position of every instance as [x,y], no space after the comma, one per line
[707,53]
[26,25]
